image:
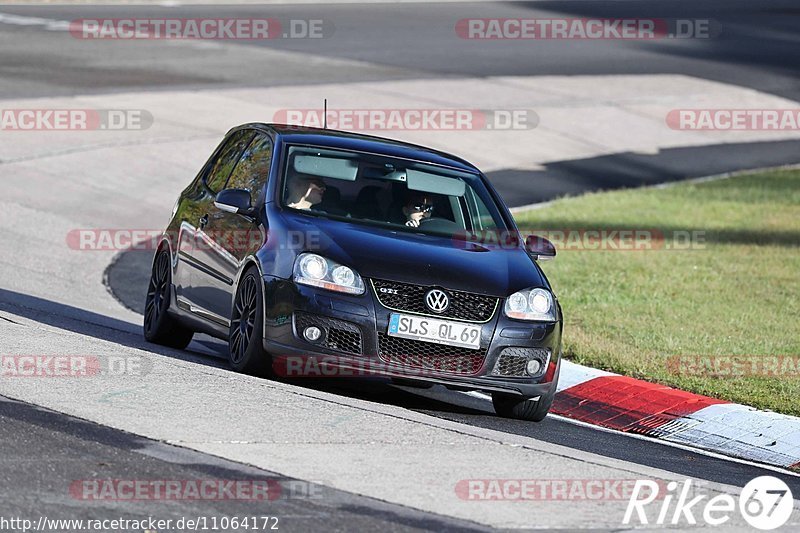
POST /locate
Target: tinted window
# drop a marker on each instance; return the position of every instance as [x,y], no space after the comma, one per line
[252,171]
[228,157]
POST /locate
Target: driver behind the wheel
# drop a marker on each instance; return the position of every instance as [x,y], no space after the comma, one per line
[418,207]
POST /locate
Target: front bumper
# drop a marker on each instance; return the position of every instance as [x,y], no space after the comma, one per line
[357,345]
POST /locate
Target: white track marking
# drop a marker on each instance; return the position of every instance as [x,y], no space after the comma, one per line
[21,20]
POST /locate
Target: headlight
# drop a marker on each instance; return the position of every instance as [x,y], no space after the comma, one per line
[315,270]
[531,304]
[313,267]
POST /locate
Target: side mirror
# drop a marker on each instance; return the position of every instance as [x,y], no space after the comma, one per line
[540,248]
[234,201]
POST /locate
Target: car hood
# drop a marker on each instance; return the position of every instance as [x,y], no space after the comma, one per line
[376,252]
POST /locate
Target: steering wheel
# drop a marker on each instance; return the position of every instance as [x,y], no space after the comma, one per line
[439,224]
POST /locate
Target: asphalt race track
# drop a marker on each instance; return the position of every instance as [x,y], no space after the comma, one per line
[376,456]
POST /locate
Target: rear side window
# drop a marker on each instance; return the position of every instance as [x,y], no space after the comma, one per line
[228,156]
[252,171]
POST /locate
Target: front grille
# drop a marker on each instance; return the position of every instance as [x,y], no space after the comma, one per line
[429,356]
[409,297]
[513,360]
[338,335]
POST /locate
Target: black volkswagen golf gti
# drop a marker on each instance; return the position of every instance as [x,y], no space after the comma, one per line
[363,255]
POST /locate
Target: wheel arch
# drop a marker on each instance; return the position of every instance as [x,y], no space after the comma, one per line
[249,261]
[246,264]
[164,244]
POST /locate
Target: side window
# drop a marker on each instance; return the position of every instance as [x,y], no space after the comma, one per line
[228,157]
[252,171]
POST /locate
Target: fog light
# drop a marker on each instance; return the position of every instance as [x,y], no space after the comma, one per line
[533,367]
[312,333]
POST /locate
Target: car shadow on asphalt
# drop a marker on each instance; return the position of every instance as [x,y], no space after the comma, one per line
[203,350]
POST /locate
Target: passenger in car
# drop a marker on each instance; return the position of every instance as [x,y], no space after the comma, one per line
[311,194]
[303,193]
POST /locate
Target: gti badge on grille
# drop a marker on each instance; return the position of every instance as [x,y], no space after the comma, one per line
[437,301]
[384,290]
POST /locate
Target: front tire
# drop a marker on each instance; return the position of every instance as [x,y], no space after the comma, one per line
[245,349]
[519,408]
[159,326]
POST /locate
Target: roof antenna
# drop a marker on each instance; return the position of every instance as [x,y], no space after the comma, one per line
[325,114]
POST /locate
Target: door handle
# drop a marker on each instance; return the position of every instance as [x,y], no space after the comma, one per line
[203,221]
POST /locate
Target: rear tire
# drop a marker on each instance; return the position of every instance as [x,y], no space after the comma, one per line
[519,408]
[245,338]
[159,327]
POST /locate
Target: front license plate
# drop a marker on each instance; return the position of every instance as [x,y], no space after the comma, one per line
[423,328]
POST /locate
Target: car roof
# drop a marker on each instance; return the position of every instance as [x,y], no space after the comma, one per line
[364,143]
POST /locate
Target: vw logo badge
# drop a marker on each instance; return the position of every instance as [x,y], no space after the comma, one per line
[437,301]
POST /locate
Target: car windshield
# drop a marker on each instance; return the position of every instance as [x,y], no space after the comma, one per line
[380,190]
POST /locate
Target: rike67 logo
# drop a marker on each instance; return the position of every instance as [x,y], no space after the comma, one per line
[765,503]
